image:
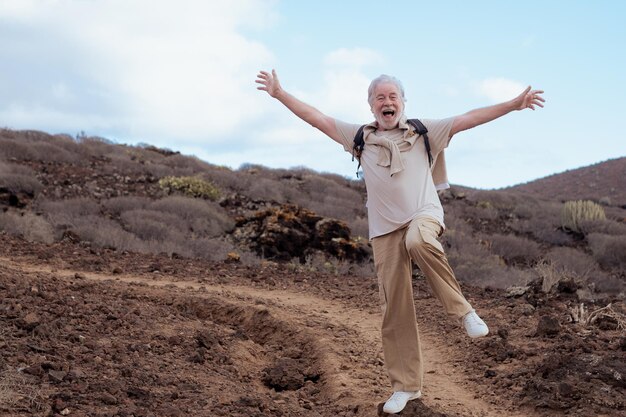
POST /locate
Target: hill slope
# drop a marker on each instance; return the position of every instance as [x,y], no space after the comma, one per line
[604,181]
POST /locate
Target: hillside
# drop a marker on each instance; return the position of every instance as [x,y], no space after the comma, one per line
[602,182]
[138,281]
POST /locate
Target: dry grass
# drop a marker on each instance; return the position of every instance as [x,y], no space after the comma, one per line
[549,274]
[17,394]
[31,227]
[607,312]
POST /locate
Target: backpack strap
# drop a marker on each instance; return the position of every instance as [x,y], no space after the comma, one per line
[420,129]
[357,147]
[359,142]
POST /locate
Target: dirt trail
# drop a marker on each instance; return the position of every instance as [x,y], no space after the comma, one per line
[348,338]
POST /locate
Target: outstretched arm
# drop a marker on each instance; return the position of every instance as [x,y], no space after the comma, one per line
[311,115]
[527,100]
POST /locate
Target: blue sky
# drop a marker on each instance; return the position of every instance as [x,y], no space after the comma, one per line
[180,74]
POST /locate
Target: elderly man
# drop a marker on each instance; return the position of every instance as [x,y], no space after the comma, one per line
[403,172]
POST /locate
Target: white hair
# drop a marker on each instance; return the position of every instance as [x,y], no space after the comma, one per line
[384,79]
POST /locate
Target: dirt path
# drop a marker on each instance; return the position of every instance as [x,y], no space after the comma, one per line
[348,340]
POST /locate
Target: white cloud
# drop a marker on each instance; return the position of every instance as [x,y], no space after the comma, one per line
[160,68]
[499,89]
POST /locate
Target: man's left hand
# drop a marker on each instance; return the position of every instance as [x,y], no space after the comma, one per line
[529,99]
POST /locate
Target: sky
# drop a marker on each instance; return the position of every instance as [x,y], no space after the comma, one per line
[181,75]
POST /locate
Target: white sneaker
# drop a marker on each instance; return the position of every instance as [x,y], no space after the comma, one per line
[474,326]
[398,400]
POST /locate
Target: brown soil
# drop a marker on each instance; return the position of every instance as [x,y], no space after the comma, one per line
[99,333]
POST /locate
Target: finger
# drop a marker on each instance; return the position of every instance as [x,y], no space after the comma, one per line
[538,104]
[526,90]
[262,88]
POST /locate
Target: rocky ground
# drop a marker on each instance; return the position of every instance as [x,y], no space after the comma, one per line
[94,332]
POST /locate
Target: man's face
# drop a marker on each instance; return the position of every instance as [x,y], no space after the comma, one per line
[387,106]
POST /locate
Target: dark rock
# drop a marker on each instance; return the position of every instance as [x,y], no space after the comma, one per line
[548,326]
[284,375]
[289,231]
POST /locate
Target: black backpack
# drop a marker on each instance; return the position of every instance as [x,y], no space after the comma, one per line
[359,142]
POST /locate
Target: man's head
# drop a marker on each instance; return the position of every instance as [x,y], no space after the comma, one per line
[386,98]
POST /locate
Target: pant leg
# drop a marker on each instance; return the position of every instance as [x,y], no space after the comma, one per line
[400,336]
[426,251]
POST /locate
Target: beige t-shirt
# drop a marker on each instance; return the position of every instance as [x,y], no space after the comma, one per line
[393,201]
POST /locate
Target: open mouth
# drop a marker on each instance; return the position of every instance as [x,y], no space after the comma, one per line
[389,113]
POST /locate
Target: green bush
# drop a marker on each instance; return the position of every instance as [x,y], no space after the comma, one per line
[190,186]
[574,213]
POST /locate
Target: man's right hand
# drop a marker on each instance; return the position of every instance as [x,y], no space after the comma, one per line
[269,82]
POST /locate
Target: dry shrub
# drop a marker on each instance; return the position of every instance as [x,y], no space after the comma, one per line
[479,271]
[227,179]
[183,165]
[119,205]
[205,218]
[152,225]
[500,200]
[514,249]
[572,262]
[359,227]
[106,233]
[217,249]
[605,226]
[472,261]
[48,152]
[543,225]
[483,210]
[609,251]
[94,146]
[27,225]
[121,163]
[266,189]
[10,148]
[20,183]
[327,198]
[63,213]
[607,284]
[17,178]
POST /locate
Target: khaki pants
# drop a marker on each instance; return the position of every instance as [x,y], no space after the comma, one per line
[393,253]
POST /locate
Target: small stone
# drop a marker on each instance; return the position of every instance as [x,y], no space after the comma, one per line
[65,412]
[57,376]
[108,399]
[516,291]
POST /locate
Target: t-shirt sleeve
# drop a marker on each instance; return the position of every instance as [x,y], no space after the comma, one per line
[438,133]
[346,132]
